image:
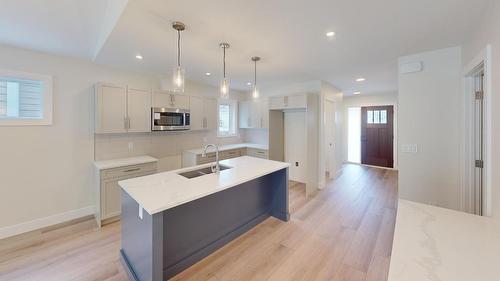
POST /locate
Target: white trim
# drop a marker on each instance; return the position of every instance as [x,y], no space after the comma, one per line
[483,58]
[234,104]
[45,222]
[47,99]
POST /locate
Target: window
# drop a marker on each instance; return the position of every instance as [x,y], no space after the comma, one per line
[227,118]
[25,99]
[376,117]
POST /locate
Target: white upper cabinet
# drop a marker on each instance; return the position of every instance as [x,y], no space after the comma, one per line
[196,113]
[288,102]
[121,110]
[110,108]
[139,110]
[254,114]
[203,113]
[210,113]
[168,100]
[244,114]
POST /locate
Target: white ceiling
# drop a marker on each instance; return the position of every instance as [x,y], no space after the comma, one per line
[288,34]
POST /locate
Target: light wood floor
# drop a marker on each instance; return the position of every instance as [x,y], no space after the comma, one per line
[343,233]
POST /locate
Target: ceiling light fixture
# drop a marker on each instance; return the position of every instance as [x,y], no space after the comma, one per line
[360,79]
[255,91]
[139,57]
[179,73]
[356,93]
[208,74]
[330,34]
[249,83]
[224,84]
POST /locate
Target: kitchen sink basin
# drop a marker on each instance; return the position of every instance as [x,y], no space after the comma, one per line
[202,172]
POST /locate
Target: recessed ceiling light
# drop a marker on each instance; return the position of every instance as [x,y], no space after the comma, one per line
[208,74]
[360,79]
[330,34]
[249,83]
[139,57]
[356,93]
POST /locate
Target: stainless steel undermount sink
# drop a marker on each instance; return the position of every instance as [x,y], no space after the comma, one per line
[202,172]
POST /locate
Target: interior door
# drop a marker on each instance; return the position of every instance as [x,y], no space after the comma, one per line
[377,136]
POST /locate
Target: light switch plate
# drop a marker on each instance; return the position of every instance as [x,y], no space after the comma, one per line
[130,146]
[409,148]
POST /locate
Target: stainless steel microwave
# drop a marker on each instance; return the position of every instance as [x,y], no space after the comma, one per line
[169,119]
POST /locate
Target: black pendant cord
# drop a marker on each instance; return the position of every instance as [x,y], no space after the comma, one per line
[178,48]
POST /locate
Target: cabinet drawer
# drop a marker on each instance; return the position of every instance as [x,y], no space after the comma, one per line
[231,153]
[260,153]
[133,170]
[203,160]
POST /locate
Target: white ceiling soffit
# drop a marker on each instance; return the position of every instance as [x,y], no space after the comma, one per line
[289,35]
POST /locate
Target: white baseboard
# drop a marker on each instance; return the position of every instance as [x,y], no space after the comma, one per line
[24,227]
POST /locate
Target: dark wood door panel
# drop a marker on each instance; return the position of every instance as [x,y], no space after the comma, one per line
[377,136]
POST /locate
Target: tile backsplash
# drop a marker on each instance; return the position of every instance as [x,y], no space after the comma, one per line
[167,145]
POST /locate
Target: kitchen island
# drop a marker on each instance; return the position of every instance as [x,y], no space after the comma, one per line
[171,221]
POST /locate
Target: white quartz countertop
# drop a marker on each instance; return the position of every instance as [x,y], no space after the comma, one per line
[229,147]
[122,162]
[432,243]
[162,191]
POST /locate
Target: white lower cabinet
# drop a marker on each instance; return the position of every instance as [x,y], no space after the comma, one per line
[190,159]
[110,192]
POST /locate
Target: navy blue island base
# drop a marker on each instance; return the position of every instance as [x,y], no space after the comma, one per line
[159,246]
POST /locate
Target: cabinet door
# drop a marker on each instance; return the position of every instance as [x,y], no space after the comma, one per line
[139,110]
[297,102]
[180,101]
[277,102]
[110,199]
[244,114]
[162,99]
[210,112]
[264,113]
[196,110]
[255,114]
[111,109]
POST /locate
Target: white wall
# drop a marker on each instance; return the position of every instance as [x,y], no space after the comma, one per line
[373,100]
[487,32]
[296,144]
[430,105]
[330,92]
[46,172]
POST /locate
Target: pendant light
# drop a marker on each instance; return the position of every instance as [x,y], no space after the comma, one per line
[178,73]
[224,84]
[255,91]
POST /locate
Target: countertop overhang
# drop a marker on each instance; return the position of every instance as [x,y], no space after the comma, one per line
[162,191]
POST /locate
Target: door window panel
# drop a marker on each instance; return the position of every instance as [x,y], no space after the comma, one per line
[369,115]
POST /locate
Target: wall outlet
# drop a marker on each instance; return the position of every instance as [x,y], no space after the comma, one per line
[130,146]
[296,164]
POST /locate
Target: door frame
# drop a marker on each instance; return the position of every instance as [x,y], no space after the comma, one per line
[482,60]
[331,168]
[395,129]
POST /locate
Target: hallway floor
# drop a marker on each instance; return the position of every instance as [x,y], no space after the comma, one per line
[343,233]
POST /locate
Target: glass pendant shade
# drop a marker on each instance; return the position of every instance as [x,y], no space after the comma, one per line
[179,74]
[255,92]
[224,88]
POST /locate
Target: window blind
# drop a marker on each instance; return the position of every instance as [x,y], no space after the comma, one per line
[20,98]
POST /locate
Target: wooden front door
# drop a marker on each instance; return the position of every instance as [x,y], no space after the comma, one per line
[377,136]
